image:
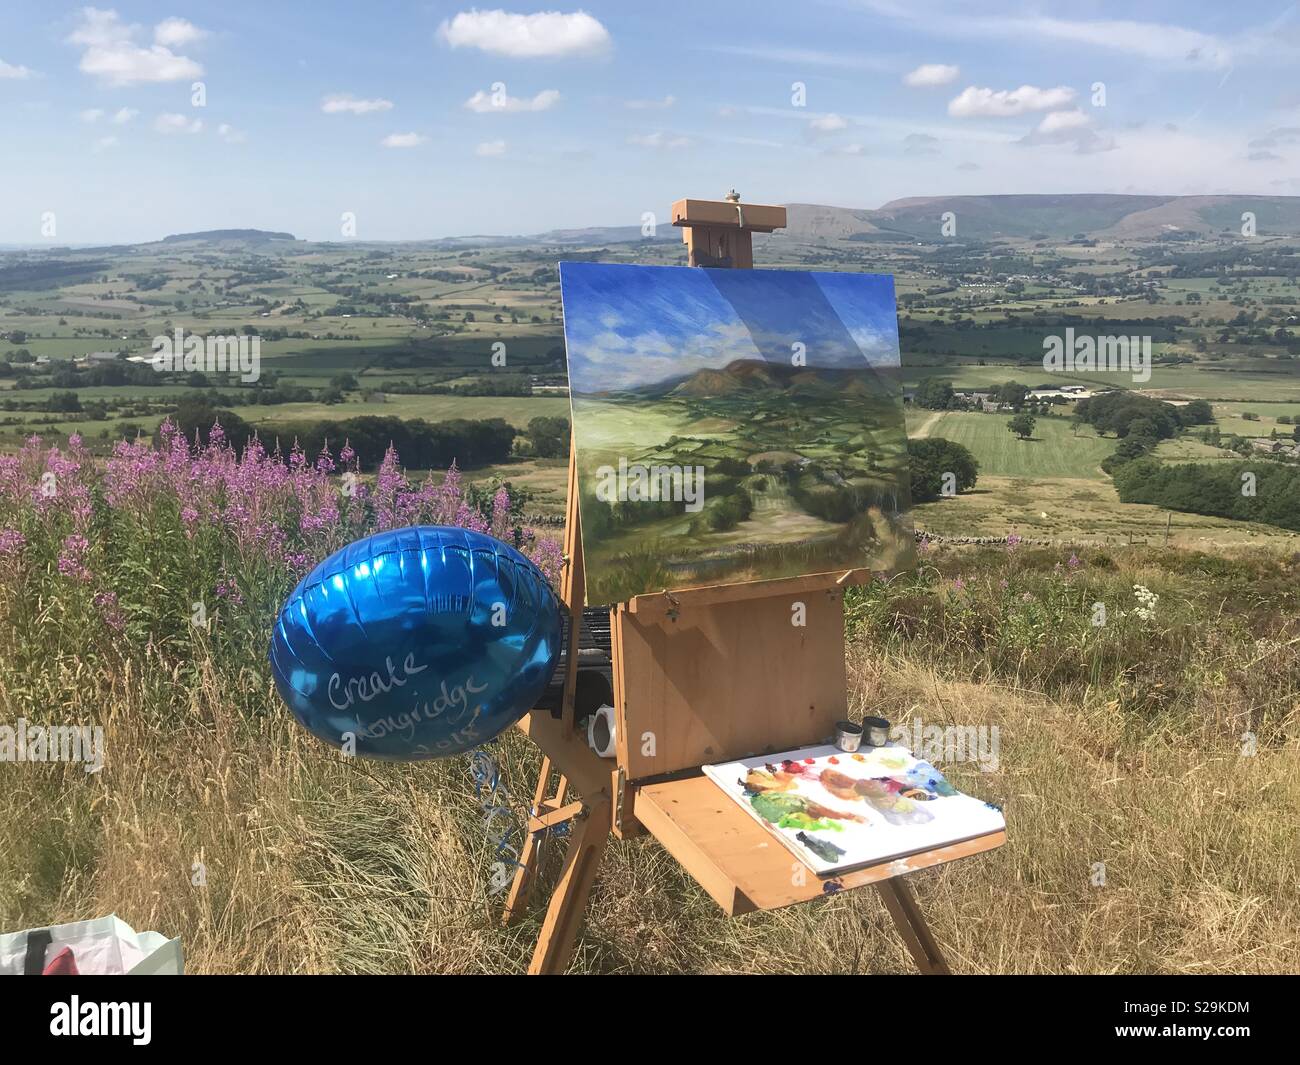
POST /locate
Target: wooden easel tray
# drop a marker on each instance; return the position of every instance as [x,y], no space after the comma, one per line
[741,865]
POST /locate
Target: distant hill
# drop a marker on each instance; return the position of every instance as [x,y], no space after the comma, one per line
[809,221]
[1054,217]
[606,235]
[253,235]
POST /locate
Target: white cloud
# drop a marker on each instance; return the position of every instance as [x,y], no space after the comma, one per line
[1162,42]
[123,115]
[230,135]
[1069,127]
[174,32]
[929,75]
[651,105]
[403,140]
[104,143]
[17,73]
[920,144]
[491,148]
[545,34]
[488,102]
[1275,137]
[658,140]
[92,114]
[112,54]
[1060,121]
[828,123]
[807,57]
[173,123]
[346,103]
[976,102]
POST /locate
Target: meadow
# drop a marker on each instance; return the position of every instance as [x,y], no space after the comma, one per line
[1147,768]
[1057,448]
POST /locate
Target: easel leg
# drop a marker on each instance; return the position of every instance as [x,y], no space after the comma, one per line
[522,886]
[564,915]
[911,925]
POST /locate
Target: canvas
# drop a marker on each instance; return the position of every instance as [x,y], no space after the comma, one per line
[733,425]
[838,811]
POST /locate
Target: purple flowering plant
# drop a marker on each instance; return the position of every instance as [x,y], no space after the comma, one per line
[155,539]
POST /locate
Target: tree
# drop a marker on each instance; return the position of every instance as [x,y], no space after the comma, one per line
[1022,425]
[344,382]
[1013,394]
[64,402]
[195,415]
[931,459]
[550,437]
[934,393]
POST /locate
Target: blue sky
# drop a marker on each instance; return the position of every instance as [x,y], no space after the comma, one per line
[434,119]
[626,326]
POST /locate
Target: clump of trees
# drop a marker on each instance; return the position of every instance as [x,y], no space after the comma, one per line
[933,457]
[422,444]
[1138,422]
[548,438]
[1261,491]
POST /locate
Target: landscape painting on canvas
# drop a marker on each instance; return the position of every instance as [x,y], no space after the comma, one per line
[838,811]
[734,425]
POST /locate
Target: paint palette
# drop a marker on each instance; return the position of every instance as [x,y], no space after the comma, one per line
[838,811]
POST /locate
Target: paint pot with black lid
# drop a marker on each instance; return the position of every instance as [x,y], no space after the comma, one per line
[848,736]
[875,731]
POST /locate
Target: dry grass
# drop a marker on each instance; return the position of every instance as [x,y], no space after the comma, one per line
[317,866]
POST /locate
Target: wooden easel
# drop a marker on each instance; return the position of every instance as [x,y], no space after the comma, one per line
[702,675]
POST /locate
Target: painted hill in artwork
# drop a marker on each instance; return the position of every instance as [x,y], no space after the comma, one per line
[753,375]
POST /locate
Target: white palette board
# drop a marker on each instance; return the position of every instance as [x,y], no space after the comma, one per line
[873,831]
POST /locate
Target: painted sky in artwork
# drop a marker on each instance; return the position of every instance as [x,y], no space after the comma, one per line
[631,326]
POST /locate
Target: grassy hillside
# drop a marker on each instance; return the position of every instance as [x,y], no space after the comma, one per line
[1120,750]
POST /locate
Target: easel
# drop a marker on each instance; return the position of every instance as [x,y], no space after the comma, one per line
[702,675]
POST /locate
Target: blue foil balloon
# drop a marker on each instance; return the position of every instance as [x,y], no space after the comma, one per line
[420,643]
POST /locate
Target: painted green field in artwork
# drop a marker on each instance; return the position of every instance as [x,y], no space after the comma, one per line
[816,472]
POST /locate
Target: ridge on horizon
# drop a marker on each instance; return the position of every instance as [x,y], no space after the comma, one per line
[1005,215]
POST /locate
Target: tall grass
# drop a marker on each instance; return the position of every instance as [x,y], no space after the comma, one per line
[217,819]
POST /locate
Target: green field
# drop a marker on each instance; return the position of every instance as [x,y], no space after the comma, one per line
[517,410]
[1228,416]
[1057,449]
[1236,380]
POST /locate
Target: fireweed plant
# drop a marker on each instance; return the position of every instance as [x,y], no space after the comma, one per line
[165,545]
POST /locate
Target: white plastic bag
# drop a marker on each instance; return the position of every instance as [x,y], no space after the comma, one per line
[104,946]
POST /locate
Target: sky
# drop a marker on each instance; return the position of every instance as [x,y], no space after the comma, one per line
[627,326]
[424,119]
